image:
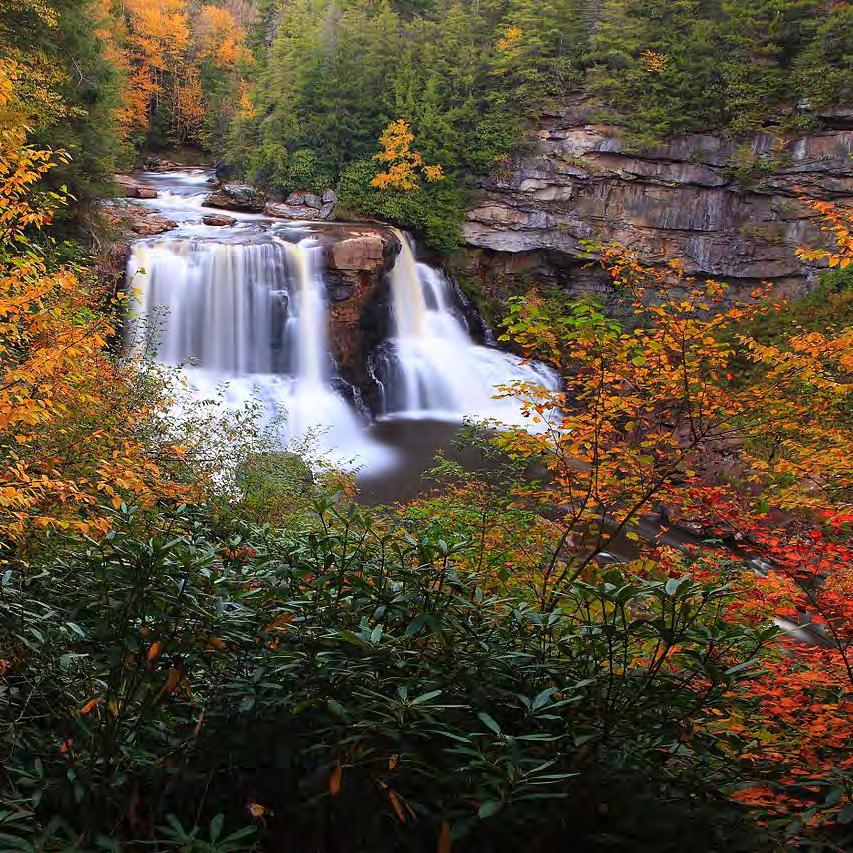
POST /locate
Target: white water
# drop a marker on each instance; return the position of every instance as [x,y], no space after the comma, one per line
[247,322]
[431,368]
[244,314]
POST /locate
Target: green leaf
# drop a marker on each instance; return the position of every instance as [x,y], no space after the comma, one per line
[489,721]
[489,808]
[216,824]
[426,697]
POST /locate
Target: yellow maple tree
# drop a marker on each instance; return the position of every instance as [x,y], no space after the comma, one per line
[72,425]
[403,165]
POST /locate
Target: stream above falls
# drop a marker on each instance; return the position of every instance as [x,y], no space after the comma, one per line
[245,312]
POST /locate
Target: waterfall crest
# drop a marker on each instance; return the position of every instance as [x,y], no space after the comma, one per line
[246,318]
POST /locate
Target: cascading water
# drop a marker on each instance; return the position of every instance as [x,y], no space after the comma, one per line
[243,312]
[431,368]
[248,322]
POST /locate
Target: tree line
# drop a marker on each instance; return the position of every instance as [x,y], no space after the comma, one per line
[469,75]
[296,94]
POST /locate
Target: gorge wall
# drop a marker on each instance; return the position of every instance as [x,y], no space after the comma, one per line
[728,211]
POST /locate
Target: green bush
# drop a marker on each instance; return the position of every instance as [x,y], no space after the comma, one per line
[346,687]
[434,211]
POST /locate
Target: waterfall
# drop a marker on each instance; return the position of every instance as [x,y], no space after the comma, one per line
[306,326]
[244,315]
[247,322]
[431,368]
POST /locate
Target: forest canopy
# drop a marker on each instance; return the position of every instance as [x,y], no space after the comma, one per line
[296,95]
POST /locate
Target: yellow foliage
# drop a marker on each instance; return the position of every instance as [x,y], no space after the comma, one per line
[510,38]
[404,166]
[71,422]
[159,48]
[653,61]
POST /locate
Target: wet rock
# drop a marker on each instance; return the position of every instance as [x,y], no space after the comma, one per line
[127,218]
[297,208]
[129,187]
[148,226]
[236,197]
[364,251]
[219,219]
[357,260]
[306,206]
[280,210]
[160,164]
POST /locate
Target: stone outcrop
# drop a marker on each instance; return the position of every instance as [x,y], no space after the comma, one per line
[357,259]
[241,197]
[219,219]
[688,199]
[304,206]
[129,187]
[129,218]
[159,164]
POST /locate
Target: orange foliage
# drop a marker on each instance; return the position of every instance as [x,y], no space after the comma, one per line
[161,47]
[839,223]
[403,165]
[658,416]
[71,425]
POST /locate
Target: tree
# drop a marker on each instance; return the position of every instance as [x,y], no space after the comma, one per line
[68,94]
[761,39]
[73,428]
[656,63]
[403,166]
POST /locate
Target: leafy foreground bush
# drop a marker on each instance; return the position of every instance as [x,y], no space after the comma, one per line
[345,688]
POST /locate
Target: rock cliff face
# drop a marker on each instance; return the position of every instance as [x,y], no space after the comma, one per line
[579,181]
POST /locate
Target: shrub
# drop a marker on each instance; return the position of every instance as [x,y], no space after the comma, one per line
[348,686]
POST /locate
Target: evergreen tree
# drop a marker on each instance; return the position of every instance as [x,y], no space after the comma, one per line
[760,40]
[70,89]
[655,62]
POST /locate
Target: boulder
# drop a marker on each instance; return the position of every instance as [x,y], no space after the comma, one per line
[146,192]
[160,164]
[236,197]
[357,260]
[219,219]
[361,252]
[305,205]
[288,211]
[151,224]
[129,187]
[127,218]
[302,212]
